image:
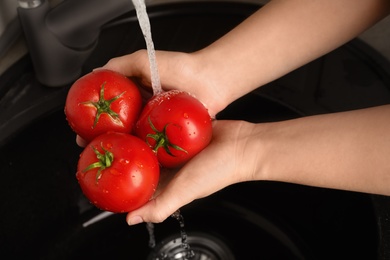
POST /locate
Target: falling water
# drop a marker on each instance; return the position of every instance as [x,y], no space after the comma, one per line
[188,253]
[152,243]
[152,239]
[144,23]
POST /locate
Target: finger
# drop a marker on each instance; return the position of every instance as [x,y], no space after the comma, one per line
[132,65]
[168,200]
[80,141]
[155,211]
[166,175]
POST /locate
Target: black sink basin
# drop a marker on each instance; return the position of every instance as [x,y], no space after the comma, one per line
[45,216]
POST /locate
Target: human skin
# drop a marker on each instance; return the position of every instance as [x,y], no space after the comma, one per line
[347,150]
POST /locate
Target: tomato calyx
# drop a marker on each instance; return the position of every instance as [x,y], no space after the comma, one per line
[105,161]
[162,140]
[104,106]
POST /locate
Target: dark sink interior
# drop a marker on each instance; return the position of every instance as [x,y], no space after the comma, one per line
[45,216]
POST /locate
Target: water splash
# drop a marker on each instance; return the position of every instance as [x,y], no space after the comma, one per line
[144,23]
[189,253]
[152,239]
[185,254]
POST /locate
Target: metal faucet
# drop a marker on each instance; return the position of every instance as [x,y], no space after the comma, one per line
[60,39]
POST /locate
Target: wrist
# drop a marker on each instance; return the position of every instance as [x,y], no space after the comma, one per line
[210,86]
[253,148]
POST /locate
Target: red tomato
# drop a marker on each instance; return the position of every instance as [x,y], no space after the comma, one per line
[118,172]
[176,125]
[102,101]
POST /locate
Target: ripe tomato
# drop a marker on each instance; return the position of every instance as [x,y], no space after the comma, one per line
[176,125]
[102,101]
[118,172]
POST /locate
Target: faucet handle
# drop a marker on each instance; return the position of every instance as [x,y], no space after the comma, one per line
[55,65]
[61,39]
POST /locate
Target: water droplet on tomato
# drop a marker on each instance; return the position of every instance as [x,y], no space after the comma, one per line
[115,172]
[124,161]
[185,115]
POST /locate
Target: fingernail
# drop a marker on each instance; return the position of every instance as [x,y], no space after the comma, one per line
[135,220]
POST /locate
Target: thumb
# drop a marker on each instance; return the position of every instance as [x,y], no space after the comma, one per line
[173,193]
[156,210]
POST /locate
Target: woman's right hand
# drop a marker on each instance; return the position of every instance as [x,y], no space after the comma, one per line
[177,70]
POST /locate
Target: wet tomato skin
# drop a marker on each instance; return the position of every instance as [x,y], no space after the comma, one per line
[128,183]
[183,120]
[81,109]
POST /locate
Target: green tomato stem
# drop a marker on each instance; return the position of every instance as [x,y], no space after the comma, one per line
[162,140]
[104,106]
[104,161]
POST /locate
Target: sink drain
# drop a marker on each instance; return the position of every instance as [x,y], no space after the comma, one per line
[204,246]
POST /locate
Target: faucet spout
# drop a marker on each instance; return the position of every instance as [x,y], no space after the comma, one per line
[60,39]
[29,3]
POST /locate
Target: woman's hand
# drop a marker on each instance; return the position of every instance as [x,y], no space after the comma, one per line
[177,70]
[232,156]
